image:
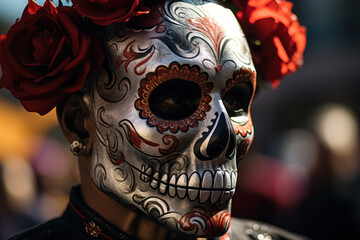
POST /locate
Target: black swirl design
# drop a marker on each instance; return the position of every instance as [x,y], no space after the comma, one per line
[126,175]
[100,117]
[100,173]
[114,89]
[154,207]
[113,138]
[179,45]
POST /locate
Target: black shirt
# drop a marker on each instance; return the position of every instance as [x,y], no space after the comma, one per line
[78,222]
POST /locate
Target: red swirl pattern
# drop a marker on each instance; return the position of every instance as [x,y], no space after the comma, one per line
[212,223]
[169,145]
[212,31]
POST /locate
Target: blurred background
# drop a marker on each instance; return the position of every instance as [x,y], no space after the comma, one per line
[302,172]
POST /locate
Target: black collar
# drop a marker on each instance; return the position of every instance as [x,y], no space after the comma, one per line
[89,222]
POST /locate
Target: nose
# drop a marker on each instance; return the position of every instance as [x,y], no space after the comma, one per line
[220,138]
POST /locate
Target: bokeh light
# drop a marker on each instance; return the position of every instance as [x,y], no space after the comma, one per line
[338,128]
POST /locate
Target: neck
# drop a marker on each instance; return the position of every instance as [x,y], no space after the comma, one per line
[123,218]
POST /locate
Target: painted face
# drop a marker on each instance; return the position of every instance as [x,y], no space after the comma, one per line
[172,115]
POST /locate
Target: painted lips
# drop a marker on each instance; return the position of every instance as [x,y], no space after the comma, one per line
[208,186]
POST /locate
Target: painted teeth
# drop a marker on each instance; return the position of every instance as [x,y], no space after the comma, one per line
[227,180]
[218,184]
[233,180]
[155,180]
[194,183]
[163,183]
[145,173]
[172,183]
[218,180]
[181,185]
[148,171]
[182,180]
[215,195]
[225,196]
[212,187]
[206,184]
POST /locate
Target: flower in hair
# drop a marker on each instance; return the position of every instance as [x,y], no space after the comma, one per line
[46,55]
[50,51]
[104,12]
[277,40]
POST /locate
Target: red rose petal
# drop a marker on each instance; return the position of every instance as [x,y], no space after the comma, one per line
[57,53]
[71,86]
[281,50]
[50,7]
[282,38]
[44,47]
[258,3]
[43,105]
[82,54]
[31,8]
[110,12]
[48,83]
[72,31]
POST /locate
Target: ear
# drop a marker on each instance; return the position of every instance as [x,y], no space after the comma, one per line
[76,120]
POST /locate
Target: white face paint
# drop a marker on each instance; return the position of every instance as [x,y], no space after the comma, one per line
[172,115]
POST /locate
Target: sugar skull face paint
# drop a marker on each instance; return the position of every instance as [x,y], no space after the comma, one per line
[172,114]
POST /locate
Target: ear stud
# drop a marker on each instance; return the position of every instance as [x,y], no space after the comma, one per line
[77,148]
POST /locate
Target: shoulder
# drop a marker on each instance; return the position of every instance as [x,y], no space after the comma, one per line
[51,230]
[242,229]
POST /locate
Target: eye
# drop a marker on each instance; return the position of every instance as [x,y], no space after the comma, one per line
[175,99]
[237,99]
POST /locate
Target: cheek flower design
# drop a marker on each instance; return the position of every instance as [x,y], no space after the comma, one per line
[45,55]
[276,38]
[105,12]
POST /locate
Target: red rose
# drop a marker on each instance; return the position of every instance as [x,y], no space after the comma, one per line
[104,12]
[45,56]
[276,38]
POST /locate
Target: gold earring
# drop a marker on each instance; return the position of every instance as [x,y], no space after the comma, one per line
[77,148]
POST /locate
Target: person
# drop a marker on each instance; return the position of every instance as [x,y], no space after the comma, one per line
[154,98]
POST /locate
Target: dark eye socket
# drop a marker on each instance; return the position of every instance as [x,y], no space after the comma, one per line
[237,99]
[175,99]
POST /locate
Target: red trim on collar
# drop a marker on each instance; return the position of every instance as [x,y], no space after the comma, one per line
[72,206]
